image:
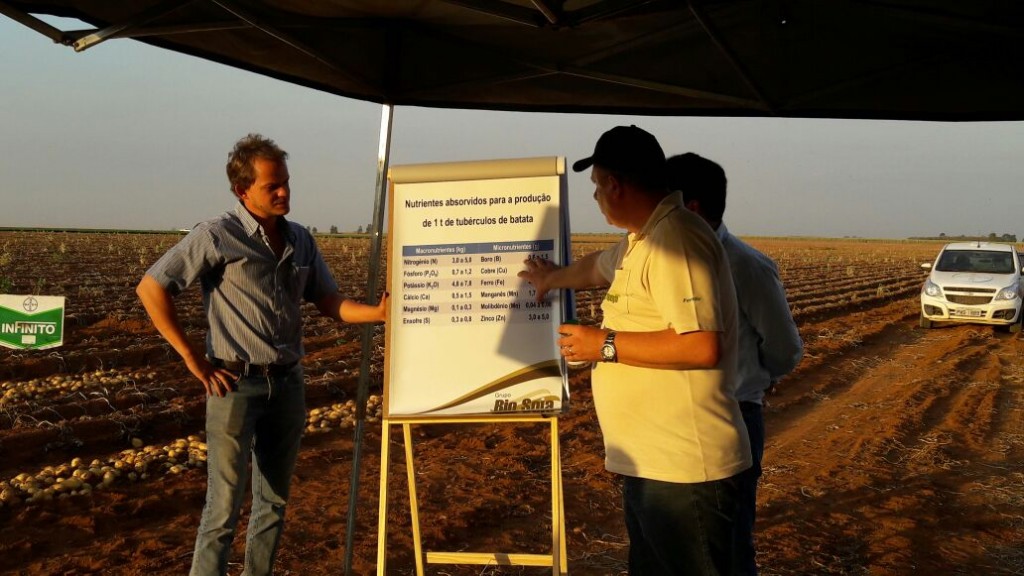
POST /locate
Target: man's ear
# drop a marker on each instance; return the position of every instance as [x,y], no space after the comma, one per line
[615,184]
[238,191]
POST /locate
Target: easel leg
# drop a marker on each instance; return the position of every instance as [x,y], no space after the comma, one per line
[413,502]
[559,560]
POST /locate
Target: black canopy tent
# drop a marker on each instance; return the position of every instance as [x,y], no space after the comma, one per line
[886,59]
[945,60]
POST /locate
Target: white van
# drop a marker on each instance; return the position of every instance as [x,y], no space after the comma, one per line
[975,282]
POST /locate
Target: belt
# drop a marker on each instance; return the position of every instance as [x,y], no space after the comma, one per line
[246,369]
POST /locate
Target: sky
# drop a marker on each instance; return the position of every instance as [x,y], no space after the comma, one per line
[127,136]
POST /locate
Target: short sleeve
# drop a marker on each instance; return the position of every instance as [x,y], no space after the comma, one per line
[684,277]
[186,261]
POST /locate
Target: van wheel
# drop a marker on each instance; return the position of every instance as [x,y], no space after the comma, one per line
[925,322]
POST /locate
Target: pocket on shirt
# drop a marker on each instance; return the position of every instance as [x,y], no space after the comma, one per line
[300,276]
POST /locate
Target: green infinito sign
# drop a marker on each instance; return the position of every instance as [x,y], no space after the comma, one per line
[31,322]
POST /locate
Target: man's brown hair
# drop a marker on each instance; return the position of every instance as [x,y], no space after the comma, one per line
[241,161]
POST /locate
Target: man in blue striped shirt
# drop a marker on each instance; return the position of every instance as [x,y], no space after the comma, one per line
[255,269]
[770,344]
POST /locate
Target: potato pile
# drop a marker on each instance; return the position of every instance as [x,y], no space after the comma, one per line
[78,478]
[12,392]
[343,415]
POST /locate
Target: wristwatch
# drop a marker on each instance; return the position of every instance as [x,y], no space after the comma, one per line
[608,351]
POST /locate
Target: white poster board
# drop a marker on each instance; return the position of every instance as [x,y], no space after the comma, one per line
[465,336]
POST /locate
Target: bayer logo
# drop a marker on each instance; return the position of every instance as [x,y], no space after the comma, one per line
[30,304]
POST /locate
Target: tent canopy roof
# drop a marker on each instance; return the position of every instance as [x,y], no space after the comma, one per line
[885,59]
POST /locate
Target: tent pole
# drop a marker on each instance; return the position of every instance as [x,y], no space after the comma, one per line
[51,32]
[383,156]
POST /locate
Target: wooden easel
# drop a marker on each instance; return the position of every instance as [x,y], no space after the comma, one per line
[557,559]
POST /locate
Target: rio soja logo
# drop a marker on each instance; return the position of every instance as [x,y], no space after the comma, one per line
[31,322]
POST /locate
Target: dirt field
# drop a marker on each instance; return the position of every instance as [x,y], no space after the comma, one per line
[891,450]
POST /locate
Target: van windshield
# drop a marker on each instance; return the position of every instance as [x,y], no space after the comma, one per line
[976,261]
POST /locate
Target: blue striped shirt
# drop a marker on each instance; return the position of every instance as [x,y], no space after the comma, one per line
[770,344]
[252,300]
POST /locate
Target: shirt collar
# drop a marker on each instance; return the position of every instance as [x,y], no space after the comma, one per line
[252,227]
[722,231]
[668,204]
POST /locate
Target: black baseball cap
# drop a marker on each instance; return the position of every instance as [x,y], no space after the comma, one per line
[629,150]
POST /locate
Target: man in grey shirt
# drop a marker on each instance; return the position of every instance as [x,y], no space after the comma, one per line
[255,268]
[770,345]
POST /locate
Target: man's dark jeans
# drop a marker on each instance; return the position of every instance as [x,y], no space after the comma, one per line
[745,564]
[680,529]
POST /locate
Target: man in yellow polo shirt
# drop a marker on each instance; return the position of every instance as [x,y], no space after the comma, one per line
[666,362]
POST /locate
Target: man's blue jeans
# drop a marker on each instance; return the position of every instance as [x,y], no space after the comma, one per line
[745,564]
[261,420]
[680,529]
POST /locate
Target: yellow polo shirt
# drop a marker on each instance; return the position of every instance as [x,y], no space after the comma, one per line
[671,425]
